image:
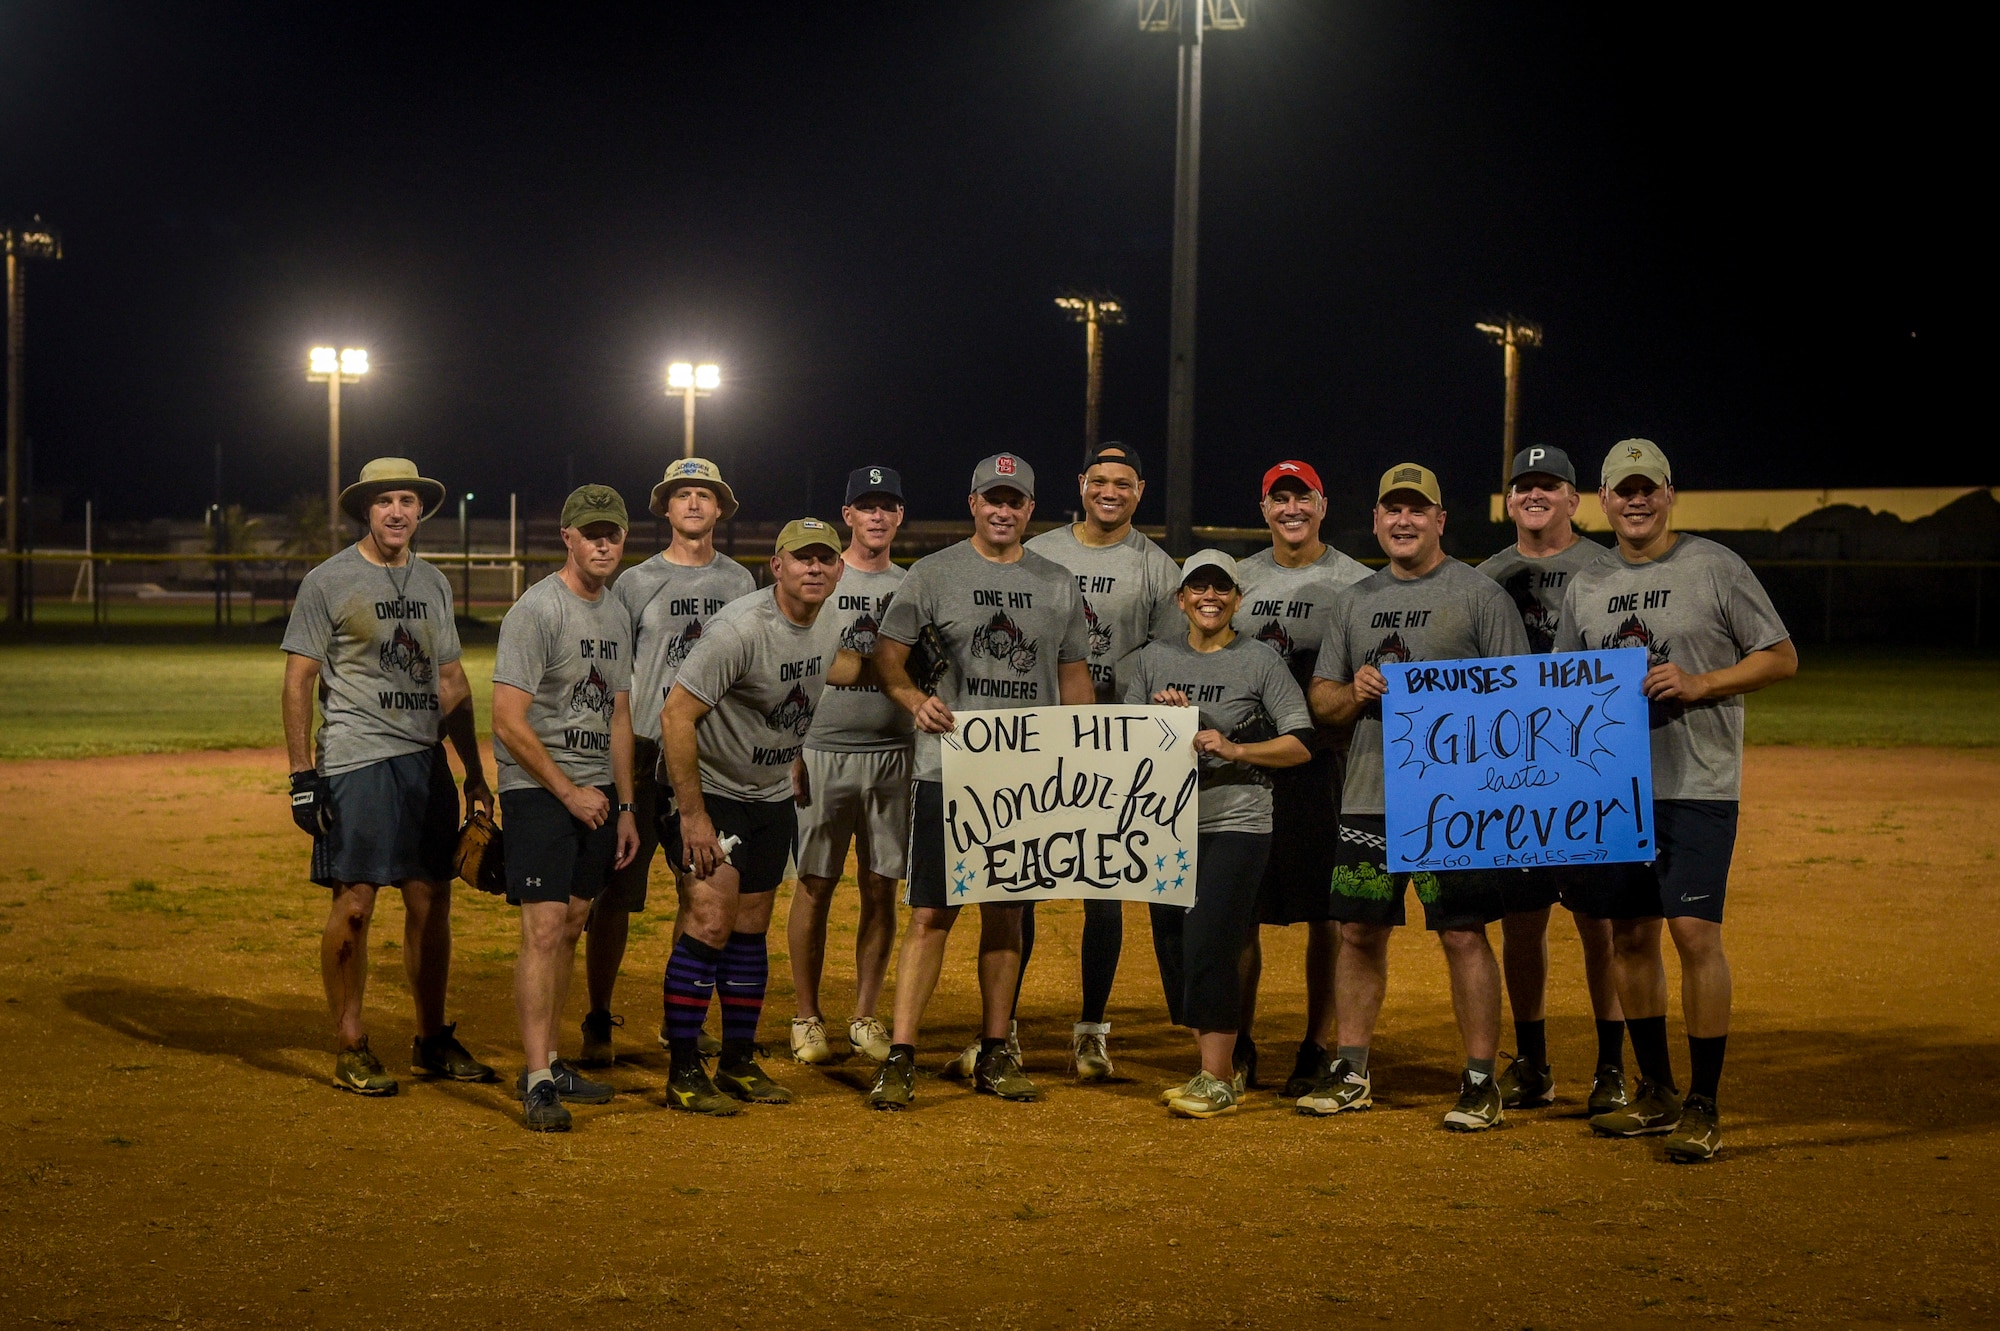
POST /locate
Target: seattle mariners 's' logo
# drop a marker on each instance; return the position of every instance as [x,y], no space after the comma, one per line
[1635,632]
[682,643]
[1100,632]
[859,637]
[1003,640]
[403,652]
[1391,650]
[1536,618]
[795,713]
[592,694]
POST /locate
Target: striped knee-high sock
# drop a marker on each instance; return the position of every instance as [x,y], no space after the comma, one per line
[744,971]
[691,975]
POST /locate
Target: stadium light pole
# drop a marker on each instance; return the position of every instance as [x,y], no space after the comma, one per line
[465,550]
[1094,313]
[334,368]
[1512,334]
[691,381]
[34,241]
[1186,19]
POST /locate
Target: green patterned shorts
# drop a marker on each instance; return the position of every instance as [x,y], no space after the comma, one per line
[1365,892]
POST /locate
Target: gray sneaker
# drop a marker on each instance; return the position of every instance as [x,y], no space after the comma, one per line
[1698,1136]
[1654,1112]
[1204,1097]
[443,1056]
[545,1112]
[1340,1090]
[1478,1106]
[1525,1086]
[999,1073]
[571,1085]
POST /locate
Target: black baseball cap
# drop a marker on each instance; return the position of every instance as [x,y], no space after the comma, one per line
[874,481]
[1115,452]
[1542,460]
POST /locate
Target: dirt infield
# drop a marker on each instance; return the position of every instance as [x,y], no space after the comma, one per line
[174,1153]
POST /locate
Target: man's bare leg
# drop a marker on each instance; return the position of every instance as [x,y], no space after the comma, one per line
[921,963]
[805,936]
[874,940]
[1475,991]
[1360,983]
[604,951]
[549,930]
[999,967]
[1322,955]
[343,959]
[1524,950]
[427,950]
[1707,987]
[1599,967]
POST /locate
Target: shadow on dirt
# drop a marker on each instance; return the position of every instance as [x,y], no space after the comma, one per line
[204,1023]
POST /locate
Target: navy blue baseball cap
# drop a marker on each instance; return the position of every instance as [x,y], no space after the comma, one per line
[874,481]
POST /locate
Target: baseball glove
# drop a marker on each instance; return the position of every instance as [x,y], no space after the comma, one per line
[479,858]
[929,659]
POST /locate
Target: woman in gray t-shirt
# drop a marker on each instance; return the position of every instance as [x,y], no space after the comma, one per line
[1253,719]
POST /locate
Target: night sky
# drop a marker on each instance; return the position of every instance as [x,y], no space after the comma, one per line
[1737,241]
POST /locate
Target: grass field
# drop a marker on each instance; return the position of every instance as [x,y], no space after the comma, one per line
[101,699]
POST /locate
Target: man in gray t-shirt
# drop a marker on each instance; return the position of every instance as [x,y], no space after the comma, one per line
[562,741]
[1425,606]
[1535,571]
[1003,627]
[1711,636]
[372,634]
[669,598]
[1126,584]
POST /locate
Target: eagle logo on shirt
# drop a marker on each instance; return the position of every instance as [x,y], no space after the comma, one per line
[682,643]
[1540,621]
[1003,640]
[859,637]
[1635,632]
[403,652]
[592,694]
[1100,632]
[795,713]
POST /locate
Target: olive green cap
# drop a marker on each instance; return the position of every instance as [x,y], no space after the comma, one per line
[595,503]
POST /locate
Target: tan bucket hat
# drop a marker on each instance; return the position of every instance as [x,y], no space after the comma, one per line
[389,474]
[693,471]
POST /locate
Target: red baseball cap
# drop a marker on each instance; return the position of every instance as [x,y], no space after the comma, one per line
[1298,471]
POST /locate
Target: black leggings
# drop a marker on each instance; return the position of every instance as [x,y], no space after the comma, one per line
[1103,940]
[1200,948]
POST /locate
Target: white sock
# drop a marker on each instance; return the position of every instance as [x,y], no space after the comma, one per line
[1091,1028]
[553,1056]
[539,1076]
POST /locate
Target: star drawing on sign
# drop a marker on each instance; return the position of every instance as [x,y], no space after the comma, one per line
[1179,879]
[1160,887]
[1180,859]
[1159,861]
[961,879]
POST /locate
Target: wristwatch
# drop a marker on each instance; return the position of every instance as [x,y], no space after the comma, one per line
[625,808]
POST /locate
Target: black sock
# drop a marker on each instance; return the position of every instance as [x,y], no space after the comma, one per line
[1705,1053]
[1649,1046]
[1532,1037]
[987,1046]
[1611,1044]
[1103,940]
[683,1052]
[904,1051]
[735,1052]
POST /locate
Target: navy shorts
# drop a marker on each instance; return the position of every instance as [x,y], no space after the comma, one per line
[394,821]
[1690,878]
[1365,892]
[764,830]
[551,855]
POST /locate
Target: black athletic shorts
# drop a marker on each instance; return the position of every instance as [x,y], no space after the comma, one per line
[927,883]
[1696,840]
[766,828]
[1304,809]
[626,889]
[550,854]
[1523,890]
[1365,892]
[394,821]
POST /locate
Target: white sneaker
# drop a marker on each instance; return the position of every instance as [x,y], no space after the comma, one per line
[809,1040]
[869,1036]
[1087,1052]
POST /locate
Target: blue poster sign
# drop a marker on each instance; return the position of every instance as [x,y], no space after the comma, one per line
[1517,761]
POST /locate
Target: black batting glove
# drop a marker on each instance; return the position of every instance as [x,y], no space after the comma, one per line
[312,803]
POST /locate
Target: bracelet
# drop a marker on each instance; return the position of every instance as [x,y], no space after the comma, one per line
[625,808]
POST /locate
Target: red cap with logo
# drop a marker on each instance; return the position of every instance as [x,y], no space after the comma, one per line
[1297,471]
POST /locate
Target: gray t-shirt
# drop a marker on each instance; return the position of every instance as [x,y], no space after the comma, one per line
[1537,585]
[574,657]
[860,718]
[1128,596]
[1700,607]
[379,635]
[761,676]
[1006,626]
[1449,614]
[669,605]
[1288,608]
[1241,690]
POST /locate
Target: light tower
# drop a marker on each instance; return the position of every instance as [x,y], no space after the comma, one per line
[1094,313]
[34,241]
[691,381]
[1512,334]
[1186,19]
[334,368]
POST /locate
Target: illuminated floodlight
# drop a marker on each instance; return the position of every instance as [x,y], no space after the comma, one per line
[707,377]
[680,375]
[323,360]
[353,360]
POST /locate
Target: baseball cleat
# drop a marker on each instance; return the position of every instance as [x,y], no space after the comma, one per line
[1308,1070]
[359,1071]
[1478,1106]
[1167,1096]
[1654,1110]
[598,1051]
[1087,1053]
[571,1085]
[1342,1089]
[544,1110]
[999,1073]
[749,1083]
[1607,1092]
[895,1083]
[1525,1086]
[867,1035]
[962,1067]
[1698,1136]
[690,1089]
[443,1056]
[1204,1097]
[809,1041]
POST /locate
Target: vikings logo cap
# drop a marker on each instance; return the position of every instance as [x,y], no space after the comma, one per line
[594,503]
[1636,457]
[693,471]
[1410,476]
[800,533]
[1003,469]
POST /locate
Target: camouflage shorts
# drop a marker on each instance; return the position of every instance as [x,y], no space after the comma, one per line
[1363,891]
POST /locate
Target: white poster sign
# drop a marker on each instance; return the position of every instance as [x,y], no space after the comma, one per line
[1082,802]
